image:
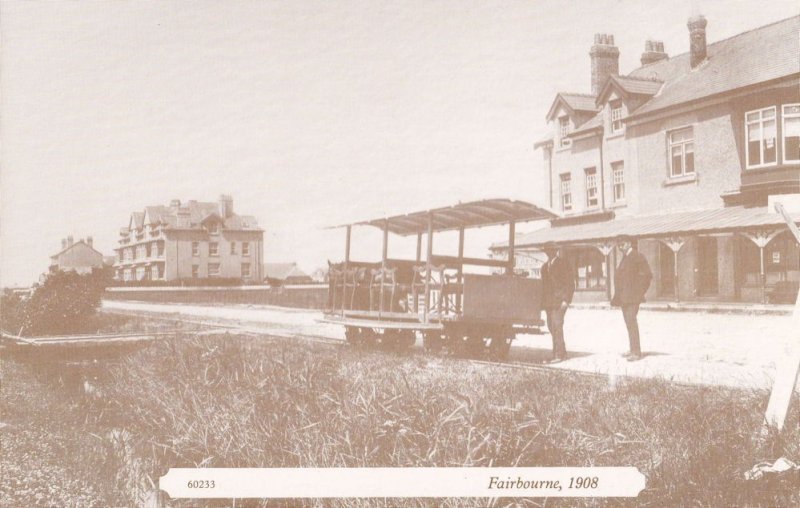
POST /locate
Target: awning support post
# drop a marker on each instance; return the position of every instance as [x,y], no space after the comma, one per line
[460,274]
[606,249]
[762,239]
[384,256]
[675,244]
[419,257]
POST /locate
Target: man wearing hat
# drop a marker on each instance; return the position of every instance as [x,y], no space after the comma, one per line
[558,285]
[631,280]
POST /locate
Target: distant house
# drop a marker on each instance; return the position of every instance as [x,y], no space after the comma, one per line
[278,274]
[197,240]
[320,275]
[80,256]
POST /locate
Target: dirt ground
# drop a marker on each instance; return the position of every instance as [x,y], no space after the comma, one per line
[688,347]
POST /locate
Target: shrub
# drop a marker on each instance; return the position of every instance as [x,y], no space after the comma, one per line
[65,303]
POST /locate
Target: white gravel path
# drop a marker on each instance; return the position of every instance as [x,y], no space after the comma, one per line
[688,347]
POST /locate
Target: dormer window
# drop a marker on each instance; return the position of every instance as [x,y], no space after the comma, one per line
[563,132]
[213,228]
[616,117]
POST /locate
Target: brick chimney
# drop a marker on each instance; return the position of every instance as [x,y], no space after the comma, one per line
[605,60]
[69,241]
[90,241]
[63,243]
[653,52]
[697,39]
[175,203]
[225,206]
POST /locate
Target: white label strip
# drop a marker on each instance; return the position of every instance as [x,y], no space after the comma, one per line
[402,482]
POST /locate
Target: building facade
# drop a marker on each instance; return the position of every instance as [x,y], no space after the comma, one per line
[80,256]
[687,153]
[193,240]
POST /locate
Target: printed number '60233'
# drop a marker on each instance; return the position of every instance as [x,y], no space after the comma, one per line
[201,484]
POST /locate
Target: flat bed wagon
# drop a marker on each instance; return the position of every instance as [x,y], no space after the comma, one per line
[393,301]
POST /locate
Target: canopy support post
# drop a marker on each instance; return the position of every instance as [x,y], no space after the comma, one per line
[384,256]
[511,237]
[346,262]
[460,273]
[606,249]
[419,258]
[675,244]
[428,259]
[762,239]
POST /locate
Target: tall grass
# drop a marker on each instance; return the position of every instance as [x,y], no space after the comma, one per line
[227,401]
[222,402]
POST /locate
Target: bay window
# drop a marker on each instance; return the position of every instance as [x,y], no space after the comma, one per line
[761,132]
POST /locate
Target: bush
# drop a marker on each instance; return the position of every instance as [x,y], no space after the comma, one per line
[65,303]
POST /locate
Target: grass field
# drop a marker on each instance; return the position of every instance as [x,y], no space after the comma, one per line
[225,401]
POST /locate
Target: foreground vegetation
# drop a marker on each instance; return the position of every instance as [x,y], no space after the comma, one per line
[225,401]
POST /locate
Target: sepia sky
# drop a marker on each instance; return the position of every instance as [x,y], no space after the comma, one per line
[310,113]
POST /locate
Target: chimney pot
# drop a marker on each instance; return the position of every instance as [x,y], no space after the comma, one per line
[63,243]
[653,52]
[697,39]
[69,241]
[89,241]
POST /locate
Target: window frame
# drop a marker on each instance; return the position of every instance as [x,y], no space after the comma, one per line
[564,128]
[616,106]
[195,271]
[618,165]
[747,123]
[249,270]
[682,144]
[783,130]
[566,178]
[214,273]
[213,249]
[590,175]
[245,248]
[195,249]
[233,248]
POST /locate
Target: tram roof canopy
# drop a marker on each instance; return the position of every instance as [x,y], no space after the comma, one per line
[487,212]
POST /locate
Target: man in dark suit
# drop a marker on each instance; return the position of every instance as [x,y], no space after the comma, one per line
[558,285]
[631,280]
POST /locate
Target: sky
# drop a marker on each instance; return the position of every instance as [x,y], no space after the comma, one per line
[309,113]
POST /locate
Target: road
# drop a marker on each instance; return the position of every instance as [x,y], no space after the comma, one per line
[686,347]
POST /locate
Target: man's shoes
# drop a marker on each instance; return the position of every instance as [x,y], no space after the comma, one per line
[633,357]
[556,359]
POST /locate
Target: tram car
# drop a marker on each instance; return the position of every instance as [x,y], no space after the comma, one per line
[436,297]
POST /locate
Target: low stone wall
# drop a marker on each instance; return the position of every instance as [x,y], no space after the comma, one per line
[312,296]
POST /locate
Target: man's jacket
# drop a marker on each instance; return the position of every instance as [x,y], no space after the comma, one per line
[558,283]
[631,279]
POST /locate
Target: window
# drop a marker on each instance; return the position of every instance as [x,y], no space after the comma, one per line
[761,138]
[245,269]
[161,249]
[245,249]
[195,249]
[213,228]
[591,269]
[591,187]
[563,131]
[213,269]
[140,273]
[791,133]
[213,249]
[616,117]
[566,193]
[154,273]
[195,271]
[681,152]
[618,174]
[233,247]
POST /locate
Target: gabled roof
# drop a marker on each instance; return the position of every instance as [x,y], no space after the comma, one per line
[573,102]
[197,212]
[79,242]
[137,220]
[282,271]
[760,55]
[629,86]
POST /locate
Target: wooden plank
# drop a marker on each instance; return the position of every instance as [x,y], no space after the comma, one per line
[455,262]
[384,324]
[788,367]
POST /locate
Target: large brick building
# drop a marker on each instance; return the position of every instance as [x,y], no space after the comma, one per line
[685,153]
[190,240]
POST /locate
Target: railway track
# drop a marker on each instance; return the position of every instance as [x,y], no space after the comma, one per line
[213,326]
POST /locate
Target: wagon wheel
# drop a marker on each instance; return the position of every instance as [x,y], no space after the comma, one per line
[406,338]
[432,341]
[500,347]
[474,346]
[353,335]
